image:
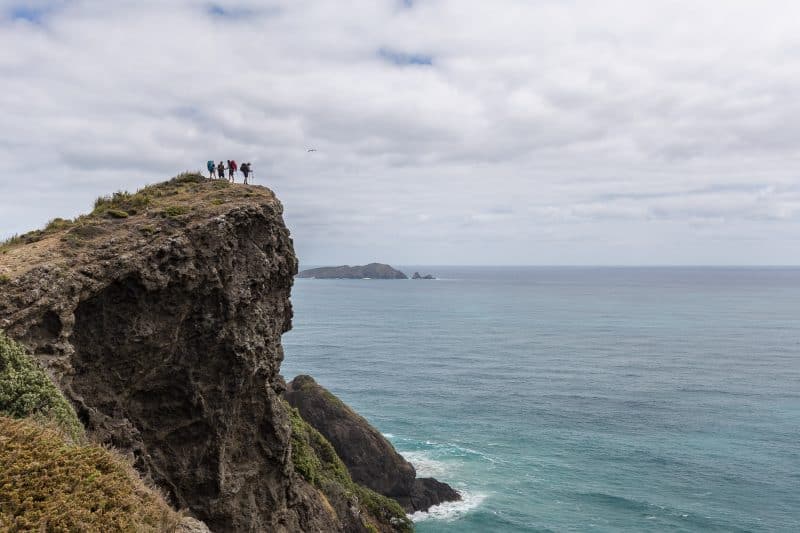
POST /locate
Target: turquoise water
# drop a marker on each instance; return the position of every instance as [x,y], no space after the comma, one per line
[575,399]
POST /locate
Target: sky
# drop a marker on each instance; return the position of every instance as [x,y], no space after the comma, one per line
[518,132]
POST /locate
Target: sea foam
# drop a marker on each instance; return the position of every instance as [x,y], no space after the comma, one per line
[450,511]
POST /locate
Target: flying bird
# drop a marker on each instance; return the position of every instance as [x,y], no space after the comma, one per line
[312,149]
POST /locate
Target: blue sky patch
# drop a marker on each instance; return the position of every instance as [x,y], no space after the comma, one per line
[403,58]
[31,14]
[238,13]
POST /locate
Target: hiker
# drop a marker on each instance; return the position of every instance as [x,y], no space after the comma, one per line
[246,171]
[221,170]
[210,167]
[232,170]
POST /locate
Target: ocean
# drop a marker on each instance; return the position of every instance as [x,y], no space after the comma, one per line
[571,398]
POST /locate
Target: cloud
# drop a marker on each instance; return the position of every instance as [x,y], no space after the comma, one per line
[548,132]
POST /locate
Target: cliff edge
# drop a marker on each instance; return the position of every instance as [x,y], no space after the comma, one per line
[159,316]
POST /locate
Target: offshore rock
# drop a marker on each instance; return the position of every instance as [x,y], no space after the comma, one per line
[160,317]
[370,458]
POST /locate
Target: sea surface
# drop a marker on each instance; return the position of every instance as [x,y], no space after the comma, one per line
[574,399]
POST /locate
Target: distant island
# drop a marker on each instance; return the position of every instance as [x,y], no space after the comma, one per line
[418,276]
[372,271]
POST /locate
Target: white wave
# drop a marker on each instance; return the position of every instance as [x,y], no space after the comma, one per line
[450,511]
[425,465]
[389,436]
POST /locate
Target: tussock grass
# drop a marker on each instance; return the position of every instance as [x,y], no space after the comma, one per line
[48,483]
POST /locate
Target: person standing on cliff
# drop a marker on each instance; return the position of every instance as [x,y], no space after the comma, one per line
[232,167]
[245,171]
[221,170]
[211,169]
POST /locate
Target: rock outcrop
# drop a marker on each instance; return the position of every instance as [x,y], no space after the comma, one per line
[159,316]
[417,275]
[370,458]
[371,271]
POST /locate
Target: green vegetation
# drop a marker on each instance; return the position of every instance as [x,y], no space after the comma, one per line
[58,224]
[121,202]
[316,460]
[26,391]
[188,177]
[4,279]
[175,211]
[25,238]
[117,213]
[50,484]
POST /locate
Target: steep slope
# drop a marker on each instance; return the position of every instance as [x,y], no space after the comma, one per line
[370,458]
[159,316]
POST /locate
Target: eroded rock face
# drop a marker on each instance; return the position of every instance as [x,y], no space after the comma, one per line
[370,458]
[167,341]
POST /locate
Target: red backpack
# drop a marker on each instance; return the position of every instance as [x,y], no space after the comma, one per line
[233,166]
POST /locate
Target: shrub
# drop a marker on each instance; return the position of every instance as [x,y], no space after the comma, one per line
[26,391]
[117,213]
[58,224]
[4,279]
[50,484]
[175,211]
[121,201]
[188,177]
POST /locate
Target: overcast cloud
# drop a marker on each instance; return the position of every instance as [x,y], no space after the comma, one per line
[447,131]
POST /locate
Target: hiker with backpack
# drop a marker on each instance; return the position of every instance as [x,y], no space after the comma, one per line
[232,170]
[221,170]
[246,171]
[211,169]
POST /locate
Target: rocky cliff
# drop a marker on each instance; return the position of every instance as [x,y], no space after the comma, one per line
[159,316]
[370,458]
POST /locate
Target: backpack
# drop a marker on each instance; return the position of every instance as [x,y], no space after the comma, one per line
[232,164]
[210,166]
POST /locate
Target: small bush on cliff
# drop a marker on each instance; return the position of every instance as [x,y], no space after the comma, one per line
[121,201]
[316,460]
[58,224]
[50,484]
[175,211]
[26,391]
[188,177]
[117,213]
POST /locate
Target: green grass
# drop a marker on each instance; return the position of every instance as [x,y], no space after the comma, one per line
[58,224]
[117,213]
[316,461]
[121,202]
[26,391]
[175,211]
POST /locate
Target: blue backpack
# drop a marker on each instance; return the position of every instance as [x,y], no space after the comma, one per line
[210,166]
